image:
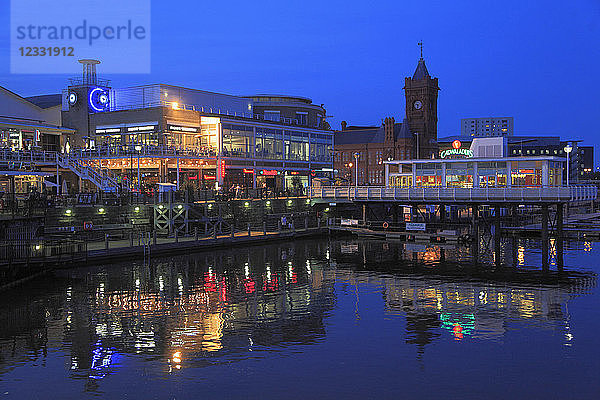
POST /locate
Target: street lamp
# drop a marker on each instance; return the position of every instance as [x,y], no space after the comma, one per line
[138,148]
[348,173]
[568,149]
[356,155]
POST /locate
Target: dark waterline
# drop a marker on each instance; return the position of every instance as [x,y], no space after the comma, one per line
[314,318]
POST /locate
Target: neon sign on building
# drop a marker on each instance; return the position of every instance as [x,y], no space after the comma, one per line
[456,150]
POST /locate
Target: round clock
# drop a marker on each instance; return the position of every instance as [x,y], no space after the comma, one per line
[418,105]
[72,98]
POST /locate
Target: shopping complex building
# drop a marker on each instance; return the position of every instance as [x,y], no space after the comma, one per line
[133,138]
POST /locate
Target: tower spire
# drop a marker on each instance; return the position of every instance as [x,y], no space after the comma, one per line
[420,44]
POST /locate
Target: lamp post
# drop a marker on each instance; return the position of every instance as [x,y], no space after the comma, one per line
[348,173]
[356,155]
[138,148]
[568,149]
[417,152]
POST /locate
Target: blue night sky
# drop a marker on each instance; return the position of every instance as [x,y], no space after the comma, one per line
[536,61]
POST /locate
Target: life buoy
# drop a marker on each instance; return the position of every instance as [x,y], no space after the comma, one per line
[385,225]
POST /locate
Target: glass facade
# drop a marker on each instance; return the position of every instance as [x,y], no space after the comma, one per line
[459,174]
[492,174]
[238,141]
[483,174]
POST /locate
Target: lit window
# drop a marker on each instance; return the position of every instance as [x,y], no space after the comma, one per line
[272,116]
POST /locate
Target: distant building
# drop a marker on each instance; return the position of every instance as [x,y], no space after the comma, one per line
[586,160]
[366,148]
[486,127]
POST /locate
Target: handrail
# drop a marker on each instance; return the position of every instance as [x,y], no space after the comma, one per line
[522,194]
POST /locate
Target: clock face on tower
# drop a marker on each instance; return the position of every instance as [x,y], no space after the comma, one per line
[417,105]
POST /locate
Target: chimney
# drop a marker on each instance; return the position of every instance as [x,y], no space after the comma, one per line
[344,125]
[388,126]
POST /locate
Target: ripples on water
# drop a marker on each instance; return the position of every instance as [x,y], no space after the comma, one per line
[182,317]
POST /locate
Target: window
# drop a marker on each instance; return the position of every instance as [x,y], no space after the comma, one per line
[302,118]
[272,116]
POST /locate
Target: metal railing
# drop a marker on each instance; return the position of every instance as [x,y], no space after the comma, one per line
[100,177]
[8,155]
[142,151]
[210,110]
[36,251]
[521,194]
[24,158]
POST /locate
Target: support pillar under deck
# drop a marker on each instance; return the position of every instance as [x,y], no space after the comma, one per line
[544,236]
[559,236]
[475,232]
[497,235]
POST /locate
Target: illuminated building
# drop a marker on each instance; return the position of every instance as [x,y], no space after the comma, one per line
[182,134]
[476,172]
[581,159]
[134,137]
[486,127]
[361,150]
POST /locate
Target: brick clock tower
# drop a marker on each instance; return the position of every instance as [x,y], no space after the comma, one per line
[421,93]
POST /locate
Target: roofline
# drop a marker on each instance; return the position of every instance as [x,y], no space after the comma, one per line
[288,96]
[484,159]
[19,97]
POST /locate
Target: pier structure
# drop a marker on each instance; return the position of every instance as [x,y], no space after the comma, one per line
[494,192]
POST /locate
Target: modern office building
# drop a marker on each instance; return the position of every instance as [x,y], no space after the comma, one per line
[485,127]
[361,150]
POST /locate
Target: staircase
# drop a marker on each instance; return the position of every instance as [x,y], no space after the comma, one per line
[99,177]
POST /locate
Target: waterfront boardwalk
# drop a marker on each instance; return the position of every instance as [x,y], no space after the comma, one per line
[122,249]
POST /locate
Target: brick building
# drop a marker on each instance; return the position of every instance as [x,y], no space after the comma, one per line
[360,151]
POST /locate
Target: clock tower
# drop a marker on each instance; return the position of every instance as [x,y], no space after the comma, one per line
[421,93]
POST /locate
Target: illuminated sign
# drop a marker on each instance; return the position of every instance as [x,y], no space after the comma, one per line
[269,172]
[141,128]
[222,169]
[109,130]
[248,171]
[98,100]
[456,152]
[182,128]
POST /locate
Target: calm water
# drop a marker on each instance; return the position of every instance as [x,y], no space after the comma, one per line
[311,319]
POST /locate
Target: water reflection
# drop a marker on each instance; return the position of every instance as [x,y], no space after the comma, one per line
[206,309]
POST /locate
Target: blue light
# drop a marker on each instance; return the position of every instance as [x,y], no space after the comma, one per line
[98,100]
